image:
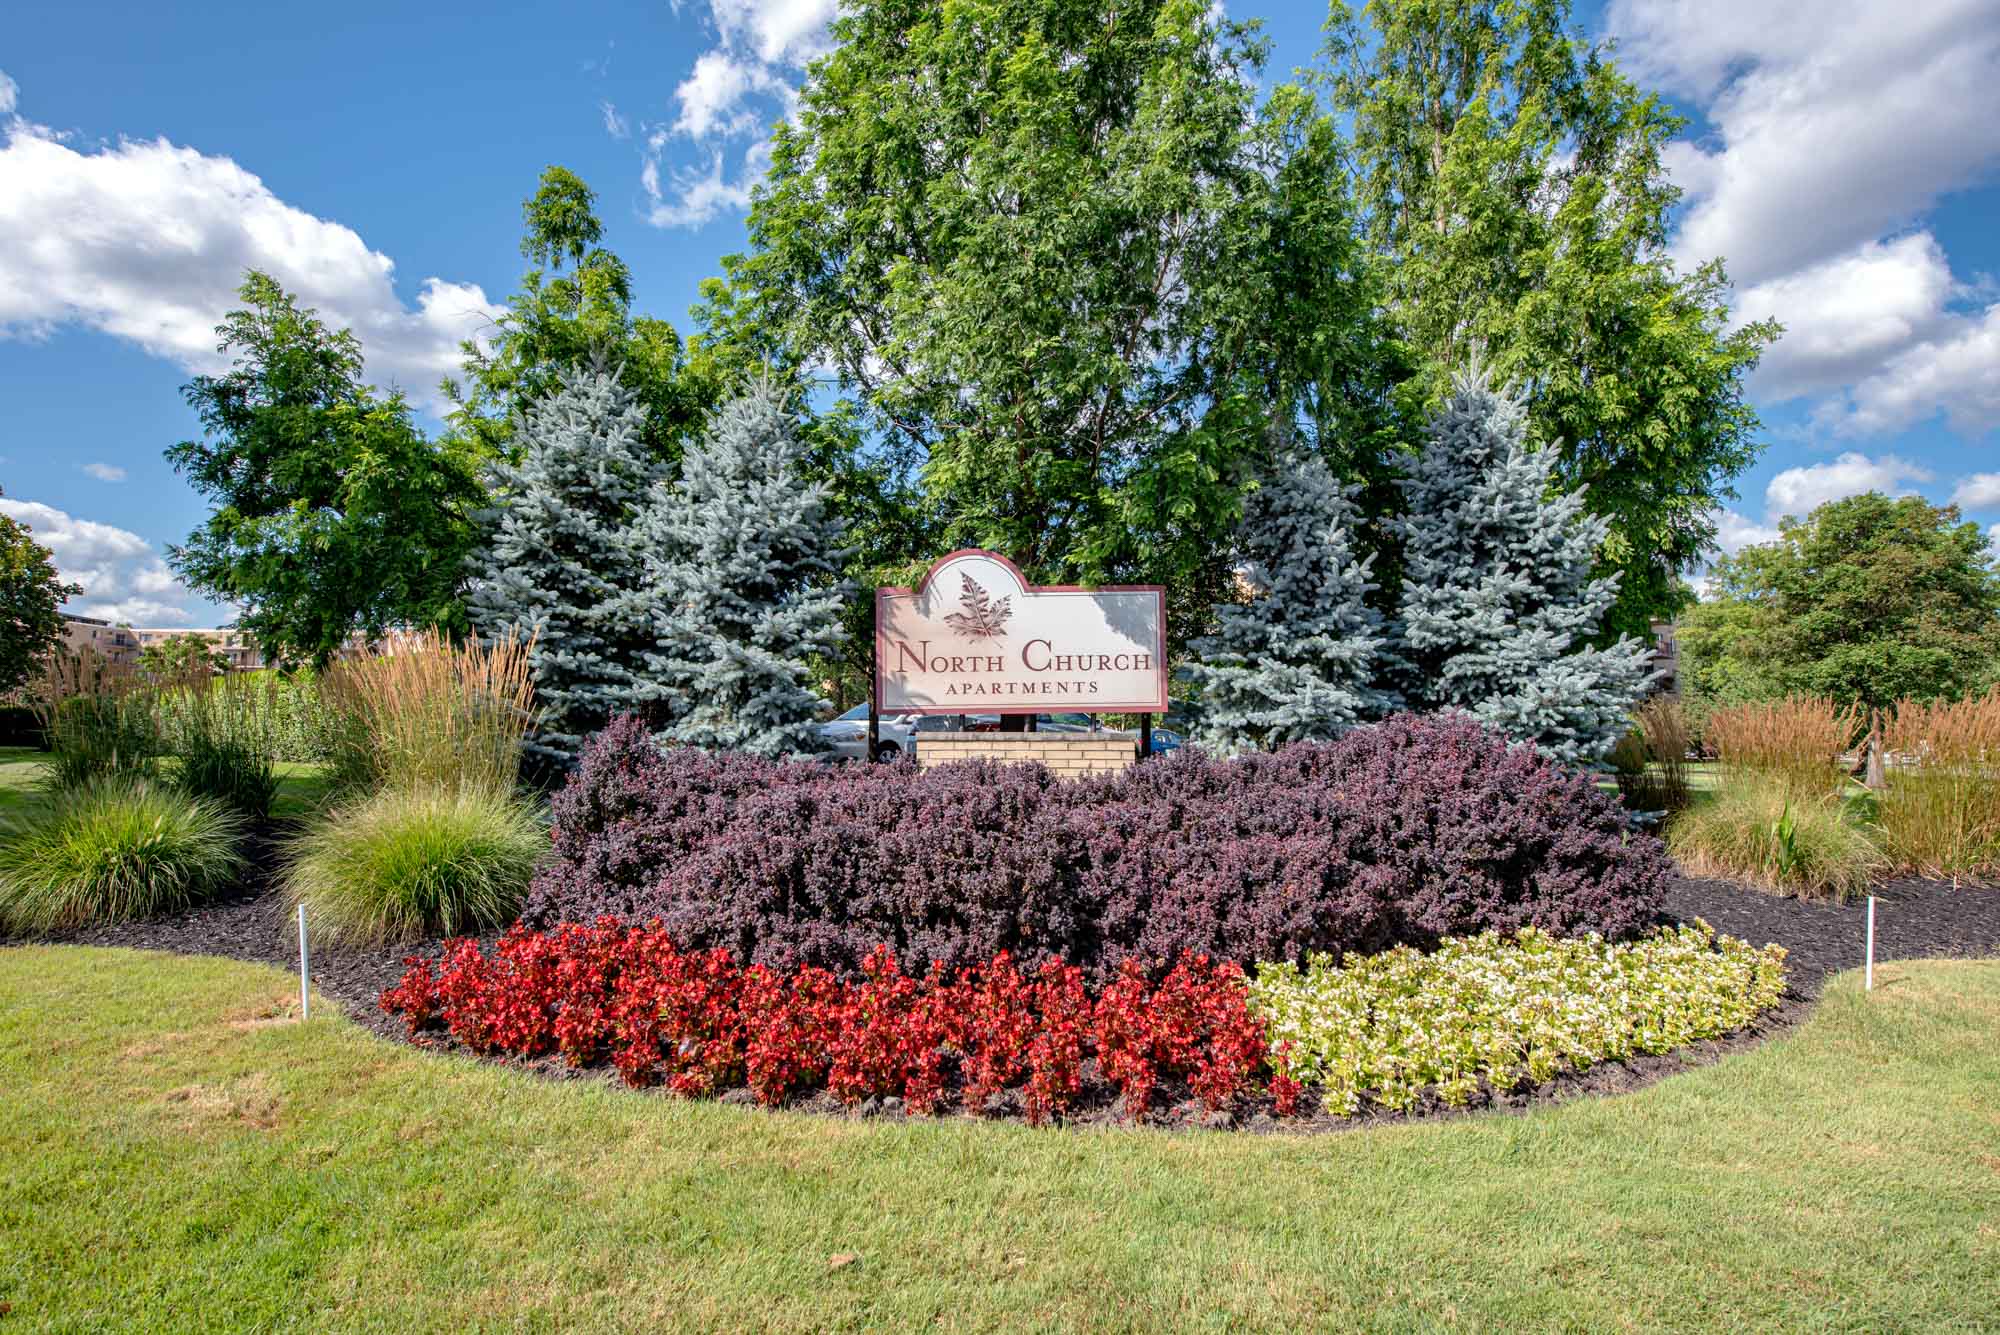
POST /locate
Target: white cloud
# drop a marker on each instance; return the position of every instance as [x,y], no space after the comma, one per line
[699,196]
[1980,491]
[1835,122]
[10,94]
[1734,532]
[737,88]
[1956,372]
[1799,491]
[1834,127]
[779,32]
[615,125]
[712,96]
[148,241]
[1844,315]
[105,472]
[122,576]
[1875,330]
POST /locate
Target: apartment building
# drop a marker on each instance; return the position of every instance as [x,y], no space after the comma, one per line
[1666,659]
[121,644]
[234,645]
[116,644]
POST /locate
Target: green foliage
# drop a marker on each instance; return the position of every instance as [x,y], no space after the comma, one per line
[1500,604]
[224,736]
[1760,832]
[1512,189]
[1867,600]
[411,862]
[745,562]
[1723,658]
[1299,661]
[113,849]
[574,310]
[332,512]
[30,595]
[1503,1011]
[1067,265]
[104,733]
[568,558]
[180,658]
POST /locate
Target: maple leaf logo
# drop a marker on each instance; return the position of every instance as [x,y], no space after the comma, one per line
[983,618]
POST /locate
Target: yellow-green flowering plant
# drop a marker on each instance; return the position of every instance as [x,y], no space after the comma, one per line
[1506,1010]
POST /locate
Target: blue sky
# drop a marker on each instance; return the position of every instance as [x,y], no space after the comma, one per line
[1842,157]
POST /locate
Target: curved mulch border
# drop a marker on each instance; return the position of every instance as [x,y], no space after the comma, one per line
[1914,920]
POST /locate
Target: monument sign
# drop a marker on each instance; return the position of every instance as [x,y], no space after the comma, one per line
[974,637]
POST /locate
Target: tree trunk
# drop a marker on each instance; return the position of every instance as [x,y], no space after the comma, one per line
[1876,778]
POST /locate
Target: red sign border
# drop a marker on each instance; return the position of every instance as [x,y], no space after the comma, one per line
[1158,705]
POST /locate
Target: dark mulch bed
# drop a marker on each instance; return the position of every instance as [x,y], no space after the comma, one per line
[1914,920]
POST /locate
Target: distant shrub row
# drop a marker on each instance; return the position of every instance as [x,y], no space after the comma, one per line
[1403,833]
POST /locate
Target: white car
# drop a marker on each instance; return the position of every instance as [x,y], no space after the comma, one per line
[848,735]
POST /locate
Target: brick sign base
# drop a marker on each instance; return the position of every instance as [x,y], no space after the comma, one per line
[1067,755]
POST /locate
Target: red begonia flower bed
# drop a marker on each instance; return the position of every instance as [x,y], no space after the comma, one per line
[699,1024]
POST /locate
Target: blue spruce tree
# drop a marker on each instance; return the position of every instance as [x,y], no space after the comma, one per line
[1498,605]
[748,578]
[564,559]
[1298,661]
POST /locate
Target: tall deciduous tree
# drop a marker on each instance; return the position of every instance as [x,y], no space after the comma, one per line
[747,568]
[1513,190]
[31,596]
[574,309]
[332,512]
[1866,600]
[1067,264]
[1499,604]
[1300,660]
[565,557]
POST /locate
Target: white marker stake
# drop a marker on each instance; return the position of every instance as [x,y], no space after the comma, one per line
[1871,944]
[305,994]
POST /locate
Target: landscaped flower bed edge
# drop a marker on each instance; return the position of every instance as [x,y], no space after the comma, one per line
[999,1038]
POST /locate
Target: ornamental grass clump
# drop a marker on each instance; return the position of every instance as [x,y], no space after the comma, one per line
[430,713]
[110,849]
[1759,831]
[410,862]
[1796,743]
[1498,1011]
[223,732]
[1940,815]
[101,718]
[1650,762]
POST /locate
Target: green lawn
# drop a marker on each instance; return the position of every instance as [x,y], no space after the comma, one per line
[20,771]
[179,1153]
[300,787]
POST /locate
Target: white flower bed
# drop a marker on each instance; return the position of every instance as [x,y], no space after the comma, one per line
[1506,1009]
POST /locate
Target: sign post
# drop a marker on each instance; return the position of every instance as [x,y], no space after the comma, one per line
[874,714]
